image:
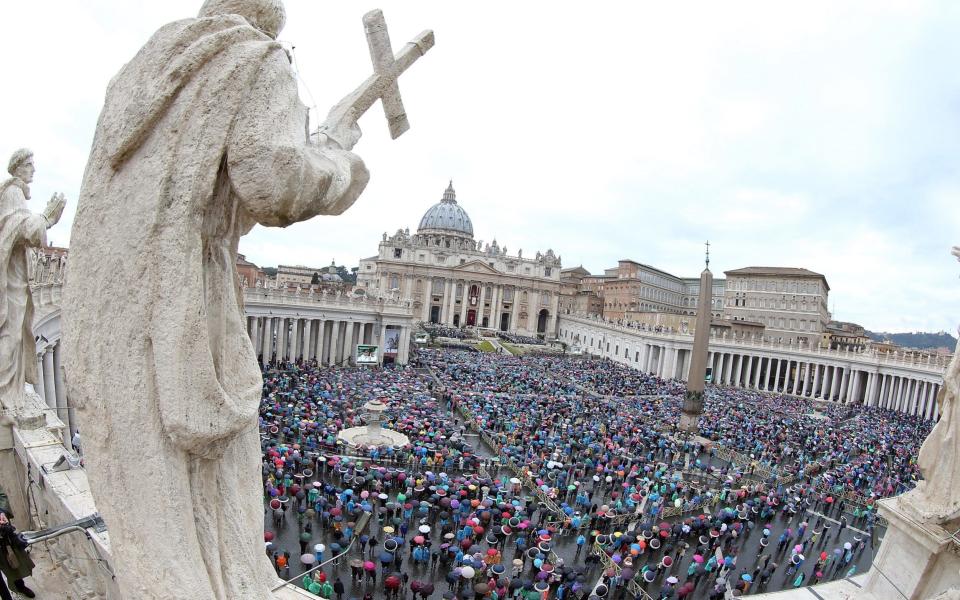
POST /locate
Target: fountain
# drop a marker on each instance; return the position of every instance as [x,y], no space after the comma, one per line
[373,433]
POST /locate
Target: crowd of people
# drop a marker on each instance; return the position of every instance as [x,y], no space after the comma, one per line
[516,463]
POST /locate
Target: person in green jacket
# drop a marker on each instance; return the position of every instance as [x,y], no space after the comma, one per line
[15,563]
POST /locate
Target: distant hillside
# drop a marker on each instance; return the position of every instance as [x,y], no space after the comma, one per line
[917,340]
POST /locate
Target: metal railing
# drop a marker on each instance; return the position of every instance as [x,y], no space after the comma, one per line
[361,525]
[632,586]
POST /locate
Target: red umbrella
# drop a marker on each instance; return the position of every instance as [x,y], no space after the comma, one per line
[392,582]
[267,536]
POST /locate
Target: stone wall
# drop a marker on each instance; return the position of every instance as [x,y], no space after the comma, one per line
[74,565]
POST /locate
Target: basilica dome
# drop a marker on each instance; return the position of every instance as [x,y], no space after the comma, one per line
[447,217]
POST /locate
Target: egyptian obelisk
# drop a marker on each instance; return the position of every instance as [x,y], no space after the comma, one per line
[693,399]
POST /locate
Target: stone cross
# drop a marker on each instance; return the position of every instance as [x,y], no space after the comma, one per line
[387,68]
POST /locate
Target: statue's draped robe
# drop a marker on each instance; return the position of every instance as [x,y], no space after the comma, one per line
[20,230]
[202,135]
[938,495]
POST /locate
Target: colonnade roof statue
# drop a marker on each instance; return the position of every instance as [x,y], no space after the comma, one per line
[201,136]
[20,230]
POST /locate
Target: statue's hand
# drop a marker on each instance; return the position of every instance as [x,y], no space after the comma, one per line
[54,209]
[340,128]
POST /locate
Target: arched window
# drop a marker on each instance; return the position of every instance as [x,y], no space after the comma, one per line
[394,282]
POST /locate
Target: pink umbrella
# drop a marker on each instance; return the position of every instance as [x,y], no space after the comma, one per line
[697,559]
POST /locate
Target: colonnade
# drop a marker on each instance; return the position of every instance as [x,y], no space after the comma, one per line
[330,341]
[913,393]
[869,379]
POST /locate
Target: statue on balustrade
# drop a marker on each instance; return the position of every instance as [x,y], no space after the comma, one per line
[937,497]
[202,135]
[20,230]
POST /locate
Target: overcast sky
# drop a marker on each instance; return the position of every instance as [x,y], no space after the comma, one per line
[823,135]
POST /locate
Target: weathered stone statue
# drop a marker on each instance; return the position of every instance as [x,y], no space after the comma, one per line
[20,230]
[202,135]
[937,497]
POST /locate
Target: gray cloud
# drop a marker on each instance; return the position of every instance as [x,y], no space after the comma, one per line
[822,134]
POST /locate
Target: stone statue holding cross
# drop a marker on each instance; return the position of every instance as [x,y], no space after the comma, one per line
[202,136]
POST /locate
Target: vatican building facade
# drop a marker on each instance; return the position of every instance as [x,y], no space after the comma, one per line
[455,280]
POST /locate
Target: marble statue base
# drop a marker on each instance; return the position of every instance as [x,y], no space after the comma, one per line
[916,560]
[33,413]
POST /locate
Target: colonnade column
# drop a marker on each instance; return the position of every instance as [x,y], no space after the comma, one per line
[60,392]
[356,338]
[403,353]
[858,385]
[766,380]
[495,307]
[844,383]
[463,303]
[881,399]
[334,357]
[819,381]
[49,389]
[452,305]
[480,307]
[381,338]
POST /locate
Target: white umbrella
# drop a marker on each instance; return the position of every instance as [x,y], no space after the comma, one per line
[424,529]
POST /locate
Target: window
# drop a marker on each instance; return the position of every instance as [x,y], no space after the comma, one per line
[394,282]
[421,257]
[397,252]
[463,260]
[511,268]
[547,271]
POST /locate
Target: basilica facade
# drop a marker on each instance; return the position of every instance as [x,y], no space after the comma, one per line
[453,279]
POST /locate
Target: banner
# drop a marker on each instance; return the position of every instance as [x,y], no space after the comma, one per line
[367,355]
[391,344]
